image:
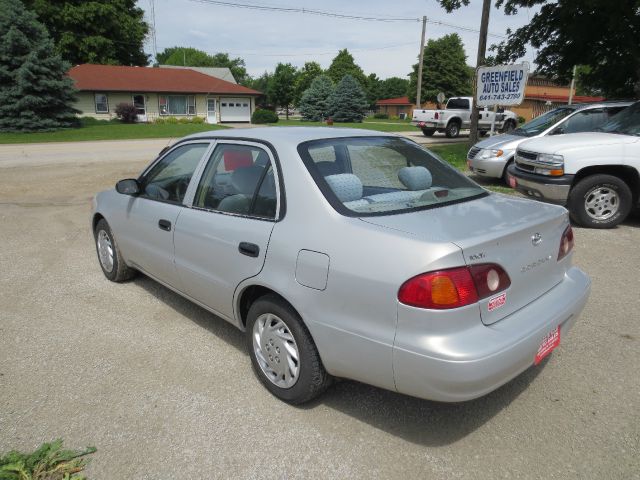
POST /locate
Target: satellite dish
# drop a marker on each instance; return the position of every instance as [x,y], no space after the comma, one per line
[440,97]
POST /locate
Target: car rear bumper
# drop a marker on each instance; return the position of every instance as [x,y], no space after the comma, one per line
[463,365]
[552,190]
[490,167]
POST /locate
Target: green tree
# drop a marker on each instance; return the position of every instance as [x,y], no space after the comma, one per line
[344,64]
[444,70]
[35,91]
[393,87]
[307,74]
[282,86]
[599,34]
[192,57]
[372,89]
[349,102]
[261,84]
[315,102]
[96,31]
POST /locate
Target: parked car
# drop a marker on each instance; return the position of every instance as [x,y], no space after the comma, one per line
[348,253]
[491,157]
[596,175]
[457,115]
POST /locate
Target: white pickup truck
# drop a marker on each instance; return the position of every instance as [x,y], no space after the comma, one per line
[596,175]
[457,115]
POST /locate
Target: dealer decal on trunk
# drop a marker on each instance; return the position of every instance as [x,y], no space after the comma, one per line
[497,301]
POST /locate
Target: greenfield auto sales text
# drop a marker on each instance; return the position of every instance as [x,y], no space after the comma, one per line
[501,82]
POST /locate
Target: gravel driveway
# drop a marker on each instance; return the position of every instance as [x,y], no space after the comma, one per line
[165,390]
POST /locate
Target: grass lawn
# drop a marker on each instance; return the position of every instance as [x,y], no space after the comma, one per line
[378,125]
[103,130]
[456,155]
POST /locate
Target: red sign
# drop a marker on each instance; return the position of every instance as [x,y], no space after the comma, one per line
[549,343]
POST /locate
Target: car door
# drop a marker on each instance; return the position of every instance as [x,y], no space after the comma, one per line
[147,233]
[222,238]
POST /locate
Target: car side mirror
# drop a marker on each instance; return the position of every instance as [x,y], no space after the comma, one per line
[128,186]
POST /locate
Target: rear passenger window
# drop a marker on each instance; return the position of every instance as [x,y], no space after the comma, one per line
[586,121]
[238,179]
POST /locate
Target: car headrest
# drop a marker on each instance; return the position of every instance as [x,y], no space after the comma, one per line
[415,178]
[346,186]
[245,179]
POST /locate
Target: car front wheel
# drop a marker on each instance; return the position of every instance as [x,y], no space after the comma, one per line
[283,354]
[109,256]
[600,201]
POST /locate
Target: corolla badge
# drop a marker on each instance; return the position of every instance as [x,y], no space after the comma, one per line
[536,239]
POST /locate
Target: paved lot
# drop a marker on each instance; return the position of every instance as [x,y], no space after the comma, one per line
[165,390]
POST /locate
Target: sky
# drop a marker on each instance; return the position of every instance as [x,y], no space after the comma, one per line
[264,38]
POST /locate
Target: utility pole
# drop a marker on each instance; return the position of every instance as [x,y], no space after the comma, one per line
[482,48]
[573,85]
[419,92]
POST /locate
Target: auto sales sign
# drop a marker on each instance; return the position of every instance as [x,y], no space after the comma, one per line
[501,85]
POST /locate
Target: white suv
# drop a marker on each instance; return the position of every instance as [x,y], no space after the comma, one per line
[596,175]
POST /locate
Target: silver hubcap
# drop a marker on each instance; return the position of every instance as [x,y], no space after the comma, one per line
[602,203]
[105,251]
[276,350]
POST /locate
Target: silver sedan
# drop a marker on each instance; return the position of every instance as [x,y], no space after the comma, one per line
[349,253]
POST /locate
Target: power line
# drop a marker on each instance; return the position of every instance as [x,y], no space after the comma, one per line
[346,16]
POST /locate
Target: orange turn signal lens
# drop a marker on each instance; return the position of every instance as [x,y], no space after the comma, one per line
[443,291]
[556,173]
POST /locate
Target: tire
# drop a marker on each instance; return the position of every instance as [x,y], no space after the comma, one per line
[600,201]
[106,247]
[509,126]
[428,132]
[505,173]
[272,355]
[453,129]
[482,132]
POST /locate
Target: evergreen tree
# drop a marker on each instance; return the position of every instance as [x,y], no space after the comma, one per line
[308,74]
[444,70]
[349,102]
[282,86]
[35,91]
[344,64]
[314,104]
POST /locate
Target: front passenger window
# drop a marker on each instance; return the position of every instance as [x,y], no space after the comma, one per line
[238,179]
[169,178]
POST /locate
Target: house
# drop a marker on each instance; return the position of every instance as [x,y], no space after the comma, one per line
[160,93]
[542,94]
[394,106]
[223,73]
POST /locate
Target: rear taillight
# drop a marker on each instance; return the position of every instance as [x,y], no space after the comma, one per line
[436,116]
[566,243]
[454,287]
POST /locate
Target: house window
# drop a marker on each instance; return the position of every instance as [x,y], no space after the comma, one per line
[177,104]
[102,105]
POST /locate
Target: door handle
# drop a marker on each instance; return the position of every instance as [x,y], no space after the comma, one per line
[164,225]
[249,249]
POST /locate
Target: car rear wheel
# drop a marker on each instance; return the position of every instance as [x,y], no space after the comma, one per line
[109,256]
[283,354]
[428,132]
[453,129]
[600,201]
[509,126]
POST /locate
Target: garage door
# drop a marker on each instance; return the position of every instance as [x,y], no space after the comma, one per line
[235,110]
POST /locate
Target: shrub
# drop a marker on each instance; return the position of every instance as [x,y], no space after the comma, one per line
[159,121]
[521,120]
[184,120]
[126,112]
[171,120]
[197,120]
[264,116]
[381,115]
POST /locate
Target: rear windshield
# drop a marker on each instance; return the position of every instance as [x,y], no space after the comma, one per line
[458,104]
[365,176]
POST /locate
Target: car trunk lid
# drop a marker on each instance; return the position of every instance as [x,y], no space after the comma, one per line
[521,236]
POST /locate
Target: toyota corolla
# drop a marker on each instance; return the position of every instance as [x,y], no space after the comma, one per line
[349,253]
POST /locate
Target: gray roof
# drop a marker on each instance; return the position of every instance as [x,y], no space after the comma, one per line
[289,134]
[223,73]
